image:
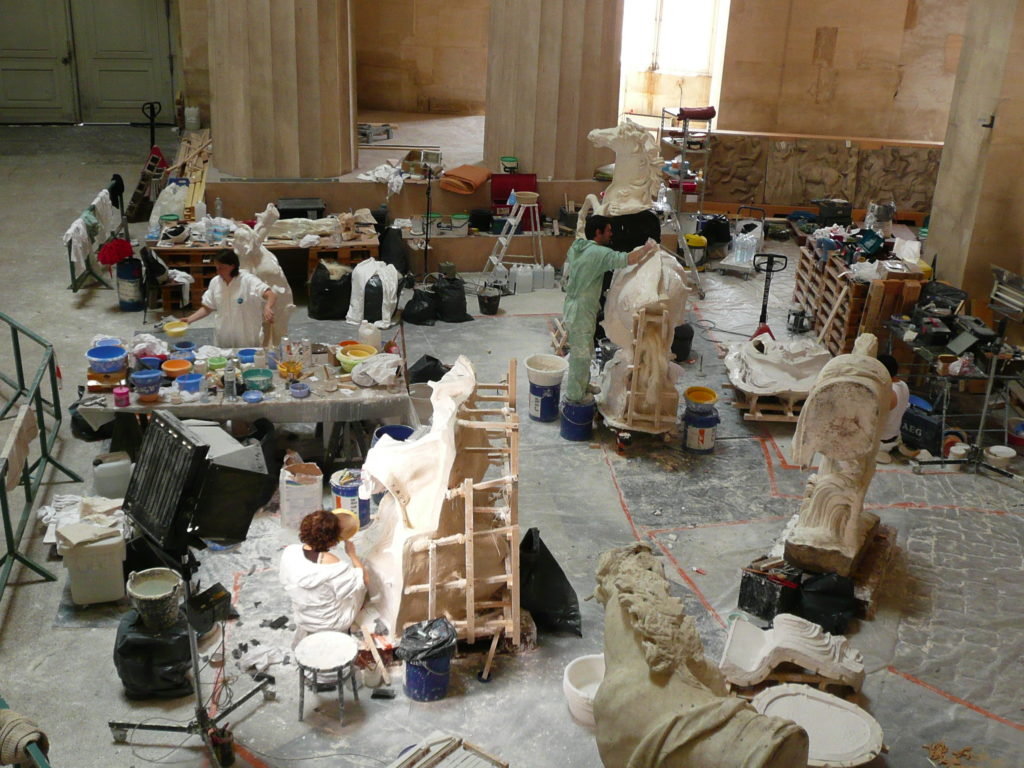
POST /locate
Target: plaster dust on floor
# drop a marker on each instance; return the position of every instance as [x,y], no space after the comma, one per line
[941,656]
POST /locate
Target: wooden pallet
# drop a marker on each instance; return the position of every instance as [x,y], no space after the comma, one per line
[766,407]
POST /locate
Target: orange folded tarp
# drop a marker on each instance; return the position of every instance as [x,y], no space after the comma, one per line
[465,180]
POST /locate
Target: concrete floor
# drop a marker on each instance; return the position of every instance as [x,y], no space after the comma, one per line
[943,654]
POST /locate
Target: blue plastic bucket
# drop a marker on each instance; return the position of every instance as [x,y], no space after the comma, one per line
[577,420]
[106,359]
[184,346]
[428,680]
[394,431]
[246,355]
[544,402]
[699,430]
[147,382]
[189,382]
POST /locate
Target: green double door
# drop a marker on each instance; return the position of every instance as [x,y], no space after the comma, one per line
[90,61]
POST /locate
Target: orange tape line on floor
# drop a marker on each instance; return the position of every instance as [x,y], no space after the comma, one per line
[955,699]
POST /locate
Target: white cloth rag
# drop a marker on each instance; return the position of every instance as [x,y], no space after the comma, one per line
[77,238]
[184,279]
[105,213]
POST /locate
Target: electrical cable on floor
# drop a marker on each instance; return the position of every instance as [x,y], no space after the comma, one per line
[170,750]
[706,326]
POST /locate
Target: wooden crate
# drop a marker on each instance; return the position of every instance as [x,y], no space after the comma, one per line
[766,407]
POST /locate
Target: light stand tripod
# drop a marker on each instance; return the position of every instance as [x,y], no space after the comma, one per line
[426,226]
[202,724]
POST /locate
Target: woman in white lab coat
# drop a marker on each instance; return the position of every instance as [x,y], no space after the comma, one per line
[242,302]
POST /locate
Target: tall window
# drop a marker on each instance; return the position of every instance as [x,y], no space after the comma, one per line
[674,37]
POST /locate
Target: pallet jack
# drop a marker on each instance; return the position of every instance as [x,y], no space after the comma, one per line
[769,264]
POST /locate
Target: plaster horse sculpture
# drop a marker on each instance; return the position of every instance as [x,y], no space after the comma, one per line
[447,533]
[662,703]
[842,419]
[646,302]
[253,257]
[637,175]
[751,655]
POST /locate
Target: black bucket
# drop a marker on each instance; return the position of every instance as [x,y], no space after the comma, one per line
[489,302]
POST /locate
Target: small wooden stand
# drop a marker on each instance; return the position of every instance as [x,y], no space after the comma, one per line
[767,407]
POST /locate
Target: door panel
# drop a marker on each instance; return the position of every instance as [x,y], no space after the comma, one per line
[123,58]
[36,84]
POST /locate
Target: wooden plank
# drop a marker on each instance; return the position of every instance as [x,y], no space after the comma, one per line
[467,498]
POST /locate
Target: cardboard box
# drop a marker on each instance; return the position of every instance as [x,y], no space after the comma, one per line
[416,162]
[302,492]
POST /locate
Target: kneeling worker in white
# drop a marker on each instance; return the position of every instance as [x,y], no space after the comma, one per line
[326,591]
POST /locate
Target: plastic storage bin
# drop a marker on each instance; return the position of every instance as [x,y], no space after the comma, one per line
[95,570]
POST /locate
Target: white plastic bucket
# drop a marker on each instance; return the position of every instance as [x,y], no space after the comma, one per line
[420,396]
[546,370]
[580,682]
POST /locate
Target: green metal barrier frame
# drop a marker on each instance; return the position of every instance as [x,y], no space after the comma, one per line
[31,474]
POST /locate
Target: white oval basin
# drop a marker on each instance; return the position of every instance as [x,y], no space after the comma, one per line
[841,734]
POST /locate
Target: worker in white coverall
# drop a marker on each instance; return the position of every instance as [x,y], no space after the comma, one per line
[587,261]
[242,302]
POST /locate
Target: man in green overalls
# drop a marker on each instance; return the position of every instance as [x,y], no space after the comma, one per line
[587,261]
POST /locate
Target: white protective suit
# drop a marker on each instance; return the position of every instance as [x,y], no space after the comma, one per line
[239,310]
[325,596]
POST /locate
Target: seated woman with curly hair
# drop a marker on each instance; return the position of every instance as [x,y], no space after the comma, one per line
[326,591]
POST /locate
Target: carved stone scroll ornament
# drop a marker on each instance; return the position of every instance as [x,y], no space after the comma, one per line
[751,654]
[842,420]
[662,702]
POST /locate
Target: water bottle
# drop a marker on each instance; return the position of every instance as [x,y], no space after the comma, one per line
[259,360]
[549,276]
[538,276]
[199,210]
[369,334]
[229,382]
[218,208]
[306,354]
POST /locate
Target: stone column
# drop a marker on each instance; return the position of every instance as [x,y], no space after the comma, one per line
[977,217]
[552,77]
[282,93]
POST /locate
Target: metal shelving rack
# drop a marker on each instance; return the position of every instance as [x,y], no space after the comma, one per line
[688,137]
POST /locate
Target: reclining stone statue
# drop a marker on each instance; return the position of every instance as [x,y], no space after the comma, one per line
[662,703]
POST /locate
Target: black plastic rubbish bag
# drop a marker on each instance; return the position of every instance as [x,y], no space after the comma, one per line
[80,427]
[426,369]
[827,599]
[433,639]
[544,589]
[421,309]
[451,300]
[373,300]
[329,299]
[393,250]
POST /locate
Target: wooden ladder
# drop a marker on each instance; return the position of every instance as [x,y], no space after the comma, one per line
[150,171]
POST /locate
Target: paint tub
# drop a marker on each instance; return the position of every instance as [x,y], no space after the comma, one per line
[699,429]
[176,367]
[420,395]
[261,379]
[189,382]
[580,682]
[185,346]
[427,680]
[122,397]
[345,487]
[545,375]
[577,420]
[95,570]
[176,328]
[433,221]
[106,359]
[216,363]
[1000,456]
[150,363]
[700,399]
[155,594]
[959,452]
[460,223]
[247,356]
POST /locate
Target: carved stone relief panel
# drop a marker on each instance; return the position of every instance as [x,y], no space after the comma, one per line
[904,174]
[800,170]
[736,170]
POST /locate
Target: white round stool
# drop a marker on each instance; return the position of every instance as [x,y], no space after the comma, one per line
[326,652]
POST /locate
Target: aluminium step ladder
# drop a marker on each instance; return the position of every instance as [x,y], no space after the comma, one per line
[525,205]
[688,263]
